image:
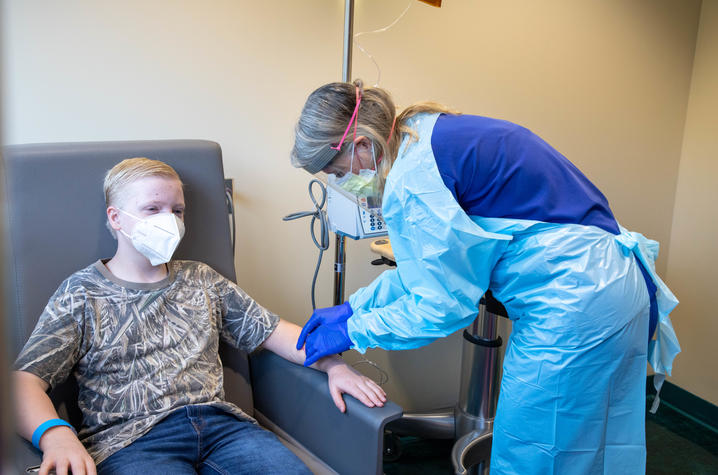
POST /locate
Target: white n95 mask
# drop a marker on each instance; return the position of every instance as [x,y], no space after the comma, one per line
[157,236]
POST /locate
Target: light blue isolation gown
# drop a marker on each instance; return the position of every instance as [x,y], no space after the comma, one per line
[535,231]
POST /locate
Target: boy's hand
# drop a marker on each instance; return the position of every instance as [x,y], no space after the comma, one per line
[63,451]
[343,379]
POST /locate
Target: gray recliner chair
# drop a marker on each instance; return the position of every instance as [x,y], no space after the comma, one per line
[56,225]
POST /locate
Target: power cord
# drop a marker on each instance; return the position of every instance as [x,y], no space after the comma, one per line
[230,209]
[318,214]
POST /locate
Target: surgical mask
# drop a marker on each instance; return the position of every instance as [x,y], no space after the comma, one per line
[364,184]
[157,236]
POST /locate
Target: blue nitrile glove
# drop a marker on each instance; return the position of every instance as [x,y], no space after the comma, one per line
[322,316]
[326,339]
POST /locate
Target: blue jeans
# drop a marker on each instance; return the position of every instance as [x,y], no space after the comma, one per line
[204,440]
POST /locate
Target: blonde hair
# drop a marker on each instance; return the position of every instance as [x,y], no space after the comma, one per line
[329,109]
[128,171]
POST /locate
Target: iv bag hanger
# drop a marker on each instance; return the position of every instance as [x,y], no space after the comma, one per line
[340,240]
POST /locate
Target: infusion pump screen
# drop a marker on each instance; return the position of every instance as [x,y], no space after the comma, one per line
[372,202]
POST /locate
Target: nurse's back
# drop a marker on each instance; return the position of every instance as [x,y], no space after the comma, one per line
[497,169]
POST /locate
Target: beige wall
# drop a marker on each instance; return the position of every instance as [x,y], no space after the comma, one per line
[605,81]
[693,257]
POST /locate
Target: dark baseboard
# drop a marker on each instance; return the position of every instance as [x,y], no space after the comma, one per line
[689,404]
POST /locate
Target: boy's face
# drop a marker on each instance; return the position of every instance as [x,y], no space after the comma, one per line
[145,197]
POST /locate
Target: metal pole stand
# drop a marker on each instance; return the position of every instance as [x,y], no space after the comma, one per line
[481,363]
[471,422]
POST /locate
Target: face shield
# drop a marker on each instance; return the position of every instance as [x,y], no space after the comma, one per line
[362,187]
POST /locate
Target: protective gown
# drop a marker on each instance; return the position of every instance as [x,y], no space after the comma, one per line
[478,203]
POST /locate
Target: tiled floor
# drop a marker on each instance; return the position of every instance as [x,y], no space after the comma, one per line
[676,445]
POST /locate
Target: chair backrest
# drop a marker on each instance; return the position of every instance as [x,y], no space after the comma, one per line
[56,225]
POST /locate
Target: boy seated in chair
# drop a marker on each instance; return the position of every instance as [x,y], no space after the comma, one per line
[141,332]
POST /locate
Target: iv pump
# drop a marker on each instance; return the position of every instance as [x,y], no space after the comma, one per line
[357,218]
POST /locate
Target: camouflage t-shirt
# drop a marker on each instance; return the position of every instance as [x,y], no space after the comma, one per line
[139,351]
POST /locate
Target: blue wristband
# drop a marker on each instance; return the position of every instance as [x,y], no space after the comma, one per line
[42,428]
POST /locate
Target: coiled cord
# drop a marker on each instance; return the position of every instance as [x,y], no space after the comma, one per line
[318,214]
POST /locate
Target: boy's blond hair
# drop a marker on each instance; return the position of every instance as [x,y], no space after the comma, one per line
[128,171]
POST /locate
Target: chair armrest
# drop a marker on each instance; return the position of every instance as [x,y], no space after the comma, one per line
[297,399]
[24,455]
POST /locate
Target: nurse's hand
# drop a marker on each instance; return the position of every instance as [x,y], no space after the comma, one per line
[322,316]
[326,339]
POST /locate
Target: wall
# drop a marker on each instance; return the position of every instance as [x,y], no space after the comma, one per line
[694,254]
[605,81]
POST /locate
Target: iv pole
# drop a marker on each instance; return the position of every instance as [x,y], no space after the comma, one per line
[340,241]
[470,422]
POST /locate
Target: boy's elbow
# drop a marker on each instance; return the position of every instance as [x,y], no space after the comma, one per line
[26,381]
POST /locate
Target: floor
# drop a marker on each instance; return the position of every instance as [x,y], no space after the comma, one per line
[676,445]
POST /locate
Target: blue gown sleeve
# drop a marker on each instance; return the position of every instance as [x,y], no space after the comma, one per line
[444,261]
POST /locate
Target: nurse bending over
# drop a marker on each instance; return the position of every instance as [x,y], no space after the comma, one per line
[473,203]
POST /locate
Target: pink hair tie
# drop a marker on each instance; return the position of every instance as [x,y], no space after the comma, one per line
[391,132]
[393,122]
[354,119]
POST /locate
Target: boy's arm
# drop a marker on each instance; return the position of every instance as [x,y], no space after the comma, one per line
[61,448]
[342,378]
